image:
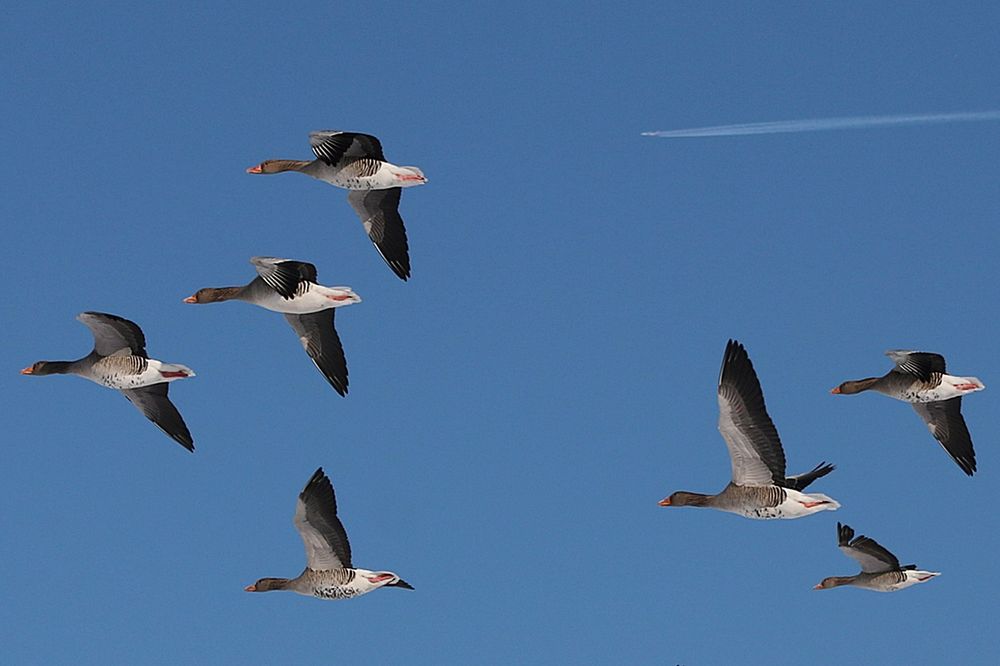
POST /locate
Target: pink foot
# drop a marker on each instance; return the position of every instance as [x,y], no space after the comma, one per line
[967,387]
[339,298]
[810,505]
[179,373]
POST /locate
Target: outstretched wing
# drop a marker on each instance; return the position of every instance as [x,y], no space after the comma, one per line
[113,333]
[872,557]
[153,402]
[322,532]
[944,420]
[754,447]
[285,276]
[331,146]
[917,364]
[379,213]
[320,340]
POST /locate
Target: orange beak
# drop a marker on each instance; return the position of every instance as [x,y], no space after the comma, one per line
[190,299]
[27,371]
[250,588]
[665,501]
[835,390]
[817,587]
[255,169]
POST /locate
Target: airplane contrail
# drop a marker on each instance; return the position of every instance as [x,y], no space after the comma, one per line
[824,124]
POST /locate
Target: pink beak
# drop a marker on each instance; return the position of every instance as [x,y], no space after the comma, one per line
[255,169]
[190,299]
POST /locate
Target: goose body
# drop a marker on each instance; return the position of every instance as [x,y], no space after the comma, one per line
[880,569]
[759,488]
[289,287]
[329,573]
[119,361]
[355,162]
[919,378]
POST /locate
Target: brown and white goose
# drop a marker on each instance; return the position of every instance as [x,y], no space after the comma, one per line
[880,570]
[355,162]
[289,287]
[329,573]
[759,488]
[919,378]
[119,361]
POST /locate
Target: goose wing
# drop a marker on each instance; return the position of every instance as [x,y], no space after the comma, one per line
[285,276]
[322,532]
[872,557]
[113,333]
[379,213]
[332,146]
[944,420]
[320,340]
[754,446]
[153,402]
[916,363]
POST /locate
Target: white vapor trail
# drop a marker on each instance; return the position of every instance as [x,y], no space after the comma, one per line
[823,124]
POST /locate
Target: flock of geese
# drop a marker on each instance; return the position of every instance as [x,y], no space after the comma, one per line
[119,360]
[759,487]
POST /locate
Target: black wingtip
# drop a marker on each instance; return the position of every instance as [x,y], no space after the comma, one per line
[844,534]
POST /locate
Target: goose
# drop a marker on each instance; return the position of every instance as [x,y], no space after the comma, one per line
[759,488]
[289,287]
[119,361]
[880,570]
[329,573]
[355,162]
[919,378]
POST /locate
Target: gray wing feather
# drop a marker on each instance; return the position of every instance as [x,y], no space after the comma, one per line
[319,338]
[754,447]
[322,533]
[332,146]
[153,402]
[944,420]
[113,333]
[872,556]
[379,213]
[917,364]
[284,276]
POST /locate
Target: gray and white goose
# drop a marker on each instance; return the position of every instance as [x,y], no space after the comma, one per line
[759,487]
[329,573]
[119,361]
[355,162]
[289,287]
[920,379]
[880,570]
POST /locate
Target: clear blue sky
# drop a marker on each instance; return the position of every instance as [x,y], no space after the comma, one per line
[519,407]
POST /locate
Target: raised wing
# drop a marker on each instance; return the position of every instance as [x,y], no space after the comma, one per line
[379,213]
[285,276]
[917,364]
[319,338]
[113,333]
[872,557]
[754,447]
[331,146]
[944,420]
[322,532]
[153,402]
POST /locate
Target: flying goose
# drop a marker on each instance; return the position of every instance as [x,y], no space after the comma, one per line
[328,573]
[119,361]
[880,570]
[919,378]
[355,162]
[289,287]
[759,488]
